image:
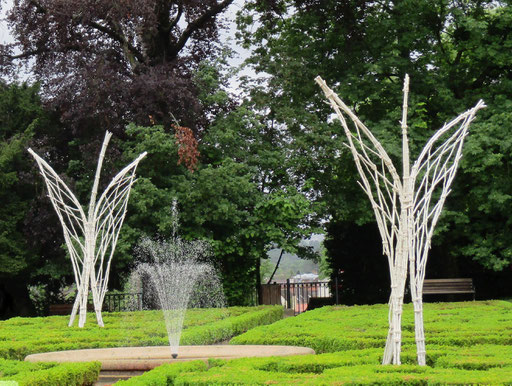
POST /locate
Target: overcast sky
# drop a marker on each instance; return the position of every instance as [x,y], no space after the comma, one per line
[4,32]
[240,54]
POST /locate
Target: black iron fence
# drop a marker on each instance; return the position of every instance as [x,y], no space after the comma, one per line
[122,302]
[299,295]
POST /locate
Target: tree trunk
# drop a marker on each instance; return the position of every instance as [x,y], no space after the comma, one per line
[417,300]
[75,308]
[84,293]
[388,349]
[96,299]
[396,301]
[258,281]
[277,266]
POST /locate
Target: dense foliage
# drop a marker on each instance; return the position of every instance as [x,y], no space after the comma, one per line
[224,201]
[466,343]
[103,65]
[235,192]
[20,337]
[258,172]
[456,52]
[100,65]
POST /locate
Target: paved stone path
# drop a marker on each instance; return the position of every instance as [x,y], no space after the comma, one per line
[111,377]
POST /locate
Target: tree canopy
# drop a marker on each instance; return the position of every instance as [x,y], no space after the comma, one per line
[264,170]
[456,52]
[241,197]
[107,63]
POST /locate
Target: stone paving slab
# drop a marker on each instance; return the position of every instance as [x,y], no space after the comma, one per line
[110,377]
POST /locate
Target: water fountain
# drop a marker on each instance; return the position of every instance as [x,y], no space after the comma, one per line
[175,274]
[177,277]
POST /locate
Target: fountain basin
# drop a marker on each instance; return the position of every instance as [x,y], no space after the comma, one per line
[147,358]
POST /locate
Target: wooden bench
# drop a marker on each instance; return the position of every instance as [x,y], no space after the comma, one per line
[448,286]
[317,302]
[65,309]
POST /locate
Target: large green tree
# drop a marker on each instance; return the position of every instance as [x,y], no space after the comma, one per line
[241,196]
[21,116]
[101,65]
[456,52]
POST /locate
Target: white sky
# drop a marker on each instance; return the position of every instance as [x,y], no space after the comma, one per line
[240,53]
[5,37]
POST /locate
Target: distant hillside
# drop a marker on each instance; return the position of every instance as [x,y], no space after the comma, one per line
[290,264]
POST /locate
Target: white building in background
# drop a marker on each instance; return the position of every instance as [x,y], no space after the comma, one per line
[304,278]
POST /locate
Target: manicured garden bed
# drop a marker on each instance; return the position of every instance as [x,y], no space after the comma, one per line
[478,365]
[467,343]
[22,336]
[331,329]
[27,373]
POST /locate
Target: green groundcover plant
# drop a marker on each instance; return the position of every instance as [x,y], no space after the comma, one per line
[22,336]
[467,343]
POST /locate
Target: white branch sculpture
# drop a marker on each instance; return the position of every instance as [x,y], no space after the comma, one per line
[406,217]
[91,239]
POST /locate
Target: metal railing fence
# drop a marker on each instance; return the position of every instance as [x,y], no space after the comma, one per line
[122,302]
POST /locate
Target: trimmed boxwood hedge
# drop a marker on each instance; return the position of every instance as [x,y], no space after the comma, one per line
[467,343]
[38,374]
[20,337]
[166,374]
[454,365]
[338,328]
[446,365]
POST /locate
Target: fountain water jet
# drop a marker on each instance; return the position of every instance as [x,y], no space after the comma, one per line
[177,275]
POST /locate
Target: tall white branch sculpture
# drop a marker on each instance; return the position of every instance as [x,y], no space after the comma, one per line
[406,216]
[91,239]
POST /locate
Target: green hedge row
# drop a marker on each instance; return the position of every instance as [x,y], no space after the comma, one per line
[227,328]
[331,329]
[467,343]
[167,374]
[485,364]
[22,336]
[38,374]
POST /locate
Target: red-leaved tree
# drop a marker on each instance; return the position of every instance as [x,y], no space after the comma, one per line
[103,63]
[188,153]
